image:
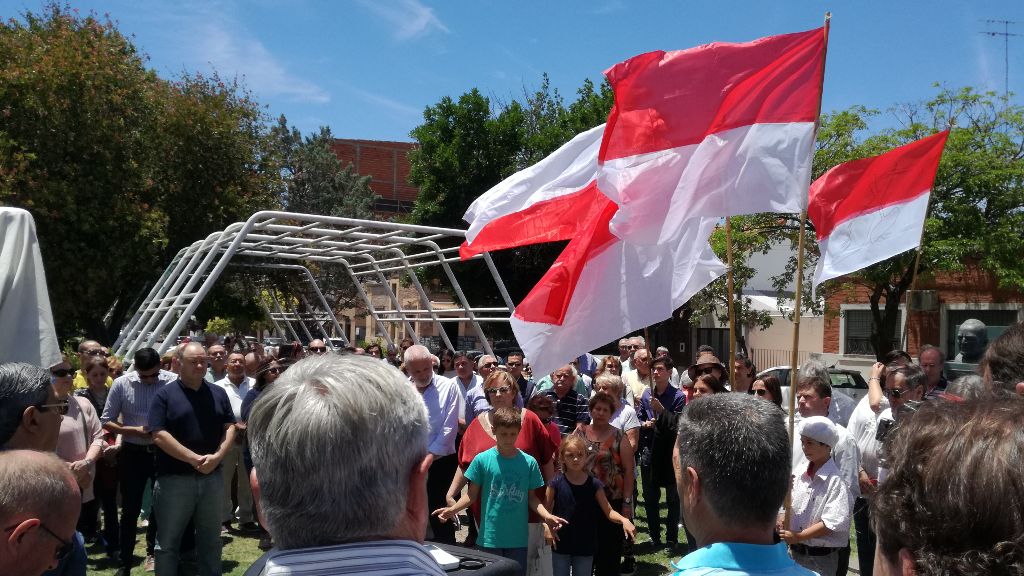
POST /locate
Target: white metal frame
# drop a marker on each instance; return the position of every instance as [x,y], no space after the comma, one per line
[365,249]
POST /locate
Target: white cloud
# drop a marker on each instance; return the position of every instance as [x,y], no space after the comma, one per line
[409,18]
[207,37]
[386,102]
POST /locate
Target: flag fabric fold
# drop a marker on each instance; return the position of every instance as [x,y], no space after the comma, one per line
[870,209]
[717,130]
[693,136]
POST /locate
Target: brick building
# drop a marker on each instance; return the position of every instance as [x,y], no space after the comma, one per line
[387,163]
[947,299]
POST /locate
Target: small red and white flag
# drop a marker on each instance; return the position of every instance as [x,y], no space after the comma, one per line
[694,135]
[867,210]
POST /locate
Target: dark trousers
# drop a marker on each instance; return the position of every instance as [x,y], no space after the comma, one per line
[609,544]
[439,479]
[137,465]
[652,497]
[865,537]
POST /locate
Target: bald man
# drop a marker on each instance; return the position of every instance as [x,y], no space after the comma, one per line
[39,505]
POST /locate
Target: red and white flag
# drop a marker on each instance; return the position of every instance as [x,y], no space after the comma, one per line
[717,130]
[867,210]
[694,135]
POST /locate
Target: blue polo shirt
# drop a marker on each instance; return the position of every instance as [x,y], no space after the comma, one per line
[733,559]
[195,418]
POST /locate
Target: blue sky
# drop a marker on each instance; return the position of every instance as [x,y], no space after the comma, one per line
[367,68]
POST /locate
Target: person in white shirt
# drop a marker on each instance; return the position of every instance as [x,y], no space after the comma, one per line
[237,385]
[820,521]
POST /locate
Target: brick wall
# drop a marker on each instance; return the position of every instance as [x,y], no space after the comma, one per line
[387,163]
[970,286]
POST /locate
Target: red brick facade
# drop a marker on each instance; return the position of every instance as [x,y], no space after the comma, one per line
[387,163]
[970,286]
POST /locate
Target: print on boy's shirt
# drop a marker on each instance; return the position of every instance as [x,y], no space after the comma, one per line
[506,492]
[505,485]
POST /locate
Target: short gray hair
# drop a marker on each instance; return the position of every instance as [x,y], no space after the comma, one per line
[417,352]
[333,442]
[34,483]
[609,379]
[480,361]
[814,374]
[21,385]
[740,449]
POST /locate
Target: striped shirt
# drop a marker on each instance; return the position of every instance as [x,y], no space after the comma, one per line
[380,558]
[129,401]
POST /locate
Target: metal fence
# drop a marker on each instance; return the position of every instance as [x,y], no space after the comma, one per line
[764,359]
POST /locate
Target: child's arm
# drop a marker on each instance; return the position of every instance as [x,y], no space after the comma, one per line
[458,482]
[550,538]
[538,507]
[471,495]
[627,527]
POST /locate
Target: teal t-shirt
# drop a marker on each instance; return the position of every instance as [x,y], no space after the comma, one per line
[505,485]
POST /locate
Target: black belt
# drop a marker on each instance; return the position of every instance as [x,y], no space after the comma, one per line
[128,446]
[812,550]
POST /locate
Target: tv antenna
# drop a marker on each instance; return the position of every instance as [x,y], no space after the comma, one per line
[1006,51]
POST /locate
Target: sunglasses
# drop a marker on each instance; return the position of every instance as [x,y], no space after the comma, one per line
[318,349]
[514,364]
[708,370]
[896,393]
[760,391]
[61,372]
[59,407]
[97,353]
[490,365]
[501,390]
[218,354]
[274,371]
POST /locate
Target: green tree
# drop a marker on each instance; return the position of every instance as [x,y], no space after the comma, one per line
[119,167]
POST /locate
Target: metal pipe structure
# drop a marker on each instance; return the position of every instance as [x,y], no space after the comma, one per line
[365,249]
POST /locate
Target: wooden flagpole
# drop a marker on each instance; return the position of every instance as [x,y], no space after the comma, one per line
[730,362]
[797,297]
[905,340]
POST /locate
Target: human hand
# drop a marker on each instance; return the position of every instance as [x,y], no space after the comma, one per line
[554,521]
[550,538]
[445,514]
[867,487]
[789,536]
[628,529]
[877,369]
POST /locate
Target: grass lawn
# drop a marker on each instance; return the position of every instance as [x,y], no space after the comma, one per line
[240,551]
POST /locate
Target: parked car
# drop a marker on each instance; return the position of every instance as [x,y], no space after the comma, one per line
[848,387]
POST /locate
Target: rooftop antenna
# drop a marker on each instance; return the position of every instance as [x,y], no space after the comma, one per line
[1006,52]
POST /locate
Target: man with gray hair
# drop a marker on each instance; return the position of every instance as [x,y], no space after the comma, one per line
[341,453]
[30,413]
[441,396]
[39,506]
[732,465]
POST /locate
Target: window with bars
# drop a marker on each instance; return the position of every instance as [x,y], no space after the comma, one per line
[857,332]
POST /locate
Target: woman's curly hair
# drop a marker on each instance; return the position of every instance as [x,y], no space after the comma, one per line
[954,497]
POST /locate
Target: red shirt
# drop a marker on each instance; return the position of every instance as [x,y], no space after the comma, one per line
[533,440]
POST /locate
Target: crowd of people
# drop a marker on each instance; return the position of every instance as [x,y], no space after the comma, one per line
[337,459]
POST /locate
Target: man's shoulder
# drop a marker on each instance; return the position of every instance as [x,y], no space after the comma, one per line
[404,556]
[734,559]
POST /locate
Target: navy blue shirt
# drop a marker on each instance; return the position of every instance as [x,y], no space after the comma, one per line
[577,504]
[195,418]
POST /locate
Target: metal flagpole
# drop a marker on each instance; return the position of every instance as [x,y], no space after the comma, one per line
[797,297]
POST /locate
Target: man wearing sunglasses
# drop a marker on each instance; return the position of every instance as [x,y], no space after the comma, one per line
[39,507]
[87,349]
[127,413]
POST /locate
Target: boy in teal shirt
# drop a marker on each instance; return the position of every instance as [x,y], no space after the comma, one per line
[504,478]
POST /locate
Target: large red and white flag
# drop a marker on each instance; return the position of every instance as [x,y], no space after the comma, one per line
[717,130]
[694,135]
[867,210]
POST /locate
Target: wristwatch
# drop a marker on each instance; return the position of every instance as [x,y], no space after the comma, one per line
[627,501]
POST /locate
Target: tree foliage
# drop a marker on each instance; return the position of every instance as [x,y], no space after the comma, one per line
[119,167]
[469,144]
